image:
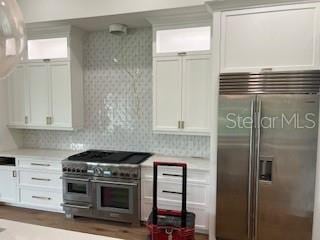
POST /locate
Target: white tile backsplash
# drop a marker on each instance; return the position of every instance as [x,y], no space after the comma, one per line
[118,102]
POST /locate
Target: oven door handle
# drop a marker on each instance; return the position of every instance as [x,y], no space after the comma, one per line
[115,183]
[75,179]
[75,206]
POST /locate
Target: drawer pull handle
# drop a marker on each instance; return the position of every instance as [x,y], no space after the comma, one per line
[42,198]
[182,53]
[41,179]
[165,191]
[171,175]
[40,164]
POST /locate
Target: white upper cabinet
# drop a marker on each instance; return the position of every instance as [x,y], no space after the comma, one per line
[38,89]
[49,83]
[271,38]
[181,77]
[173,41]
[193,39]
[167,93]
[50,48]
[17,99]
[195,93]
[181,94]
[61,104]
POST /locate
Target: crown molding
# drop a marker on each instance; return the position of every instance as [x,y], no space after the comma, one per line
[198,17]
[222,5]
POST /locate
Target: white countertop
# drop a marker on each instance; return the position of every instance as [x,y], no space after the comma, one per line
[193,163]
[10,230]
[58,155]
[48,154]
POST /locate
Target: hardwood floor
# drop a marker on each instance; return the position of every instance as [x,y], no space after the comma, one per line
[86,225]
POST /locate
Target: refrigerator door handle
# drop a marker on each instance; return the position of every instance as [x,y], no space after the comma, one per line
[251,159]
[257,163]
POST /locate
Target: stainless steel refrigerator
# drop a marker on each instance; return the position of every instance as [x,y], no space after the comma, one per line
[267,154]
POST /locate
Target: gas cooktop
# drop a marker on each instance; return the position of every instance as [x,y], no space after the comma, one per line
[110,164]
[111,157]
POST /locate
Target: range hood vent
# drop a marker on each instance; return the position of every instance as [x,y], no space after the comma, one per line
[293,82]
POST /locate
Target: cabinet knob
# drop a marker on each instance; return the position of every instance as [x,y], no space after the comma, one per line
[266,70]
[46,60]
[26,120]
[14,173]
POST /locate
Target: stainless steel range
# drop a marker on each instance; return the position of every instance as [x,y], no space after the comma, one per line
[103,184]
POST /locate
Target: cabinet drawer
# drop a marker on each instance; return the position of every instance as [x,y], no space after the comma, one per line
[202,214]
[196,194]
[38,179]
[40,164]
[41,198]
[195,176]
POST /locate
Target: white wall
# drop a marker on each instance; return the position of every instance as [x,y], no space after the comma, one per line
[8,139]
[50,10]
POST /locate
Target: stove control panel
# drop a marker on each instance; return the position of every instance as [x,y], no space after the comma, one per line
[108,171]
[80,169]
[116,172]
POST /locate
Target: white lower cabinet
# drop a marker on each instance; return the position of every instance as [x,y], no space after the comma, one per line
[40,179]
[8,184]
[40,184]
[197,193]
[34,183]
[43,199]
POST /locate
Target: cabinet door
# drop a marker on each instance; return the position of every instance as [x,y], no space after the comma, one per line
[170,41]
[60,91]
[281,38]
[167,74]
[17,97]
[195,93]
[38,84]
[8,185]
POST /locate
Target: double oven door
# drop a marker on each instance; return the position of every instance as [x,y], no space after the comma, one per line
[111,199]
[117,200]
[77,190]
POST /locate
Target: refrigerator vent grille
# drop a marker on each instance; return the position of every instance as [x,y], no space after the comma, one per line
[297,82]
